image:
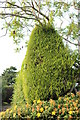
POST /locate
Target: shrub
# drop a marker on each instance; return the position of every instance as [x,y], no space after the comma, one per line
[7,92]
[47,68]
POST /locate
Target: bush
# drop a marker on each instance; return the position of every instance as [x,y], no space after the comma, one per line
[47,68]
[64,108]
[7,92]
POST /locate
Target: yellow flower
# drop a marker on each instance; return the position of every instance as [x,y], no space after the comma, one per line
[38,115]
[59,106]
[34,101]
[66,105]
[67,98]
[11,111]
[74,104]
[53,113]
[41,103]
[7,110]
[46,107]
[76,101]
[70,117]
[37,108]
[71,108]
[52,102]
[63,110]
[2,113]
[59,98]
[32,109]
[38,101]
[70,112]
[55,109]
[76,108]
[15,107]
[27,105]
[19,113]
[14,114]
[41,109]
[72,95]
[60,111]
[58,117]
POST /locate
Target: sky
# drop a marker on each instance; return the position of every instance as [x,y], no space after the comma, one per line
[8,56]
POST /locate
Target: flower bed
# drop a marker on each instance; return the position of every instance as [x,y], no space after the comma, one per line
[67,107]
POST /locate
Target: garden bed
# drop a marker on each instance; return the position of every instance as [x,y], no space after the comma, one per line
[67,107]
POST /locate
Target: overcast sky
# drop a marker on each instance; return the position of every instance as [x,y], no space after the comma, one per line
[8,57]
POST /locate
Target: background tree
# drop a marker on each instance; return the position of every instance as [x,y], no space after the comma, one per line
[9,75]
[8,79]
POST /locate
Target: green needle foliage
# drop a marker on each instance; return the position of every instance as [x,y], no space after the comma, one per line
[47,68]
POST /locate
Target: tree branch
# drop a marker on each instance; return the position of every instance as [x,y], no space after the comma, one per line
[10,14]
[7,7]
[4,34]
[40,13]
[26,10]
[18,5]
[70,41]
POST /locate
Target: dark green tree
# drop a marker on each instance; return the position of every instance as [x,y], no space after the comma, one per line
[8,76]
[47,68]
[8,79]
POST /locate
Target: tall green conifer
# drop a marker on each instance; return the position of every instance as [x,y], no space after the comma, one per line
[47,68]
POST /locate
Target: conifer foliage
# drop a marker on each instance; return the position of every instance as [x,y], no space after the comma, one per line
[47,70]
